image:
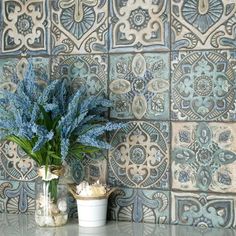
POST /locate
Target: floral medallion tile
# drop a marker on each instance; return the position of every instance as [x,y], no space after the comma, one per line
[79,26]
[87,70]
[203,24]
[139,25]
[138,205]
[139,156]
[25,27]
[139,86]
[203,210]
[204,86]
[204,156]
[17,197]
[14,164]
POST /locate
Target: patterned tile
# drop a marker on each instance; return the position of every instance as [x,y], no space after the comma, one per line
[139,206]
[79,26]
[25,27]
[139,86]
[204,156]
[88,70]
[139,156]
[203,24]
[203,210]
[14,164]
[16,197]
[204,85]
[138,25]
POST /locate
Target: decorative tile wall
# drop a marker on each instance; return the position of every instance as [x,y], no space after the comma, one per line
[170,69]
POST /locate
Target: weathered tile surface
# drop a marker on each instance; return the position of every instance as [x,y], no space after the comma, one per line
[203,85]
[204,156]
[79,26]
[203,24]
[87,70]
[139,205]
[139,86]
[25,27]
[139,25]
[17,197]
[139,156]
[203,210]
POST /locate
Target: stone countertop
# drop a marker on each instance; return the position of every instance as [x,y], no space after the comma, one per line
[24,225]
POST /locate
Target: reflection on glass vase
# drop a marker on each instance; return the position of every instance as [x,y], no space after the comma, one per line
[51,198]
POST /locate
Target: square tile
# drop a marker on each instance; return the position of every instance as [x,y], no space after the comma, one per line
[203,210]
[203,86]
[204,156]
[79,26]
[139,205]
[17,197]
[25,27]
[203,24]
[139,157]
[139,25]
[139,86]
[87,70]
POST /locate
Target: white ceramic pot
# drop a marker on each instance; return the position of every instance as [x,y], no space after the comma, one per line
[92,212]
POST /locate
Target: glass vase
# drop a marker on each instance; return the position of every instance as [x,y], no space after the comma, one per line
[51,201]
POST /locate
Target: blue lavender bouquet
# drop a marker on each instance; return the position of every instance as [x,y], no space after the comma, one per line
[51,123]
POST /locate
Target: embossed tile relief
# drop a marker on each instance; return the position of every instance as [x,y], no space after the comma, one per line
[139,156]
[204,156]
[203,24]
[139,25]
[204,85]
[139,86]
[139,205]
[79,26]
[25,27]
[88,70]
[17,197]
[203,210]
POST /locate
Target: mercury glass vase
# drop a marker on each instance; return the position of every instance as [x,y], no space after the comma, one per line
[51,198]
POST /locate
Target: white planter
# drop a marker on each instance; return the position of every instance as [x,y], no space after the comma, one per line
[92,212]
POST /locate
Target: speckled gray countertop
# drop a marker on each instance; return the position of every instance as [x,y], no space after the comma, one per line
[24,225]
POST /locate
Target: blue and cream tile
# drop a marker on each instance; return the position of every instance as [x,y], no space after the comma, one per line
[12,70]
[25,27]
[139,157]
[139,25]
[203,86]
[203,24]
[87,70]
[138,205]
[204,156]
[79,26]
[203,210]
[139,86]
[17,197]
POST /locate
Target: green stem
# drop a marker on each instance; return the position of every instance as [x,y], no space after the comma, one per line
[53,189]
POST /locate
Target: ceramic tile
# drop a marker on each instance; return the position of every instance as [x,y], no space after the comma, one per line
[203,210]
[87,70]
[79,26]
[14,164]
[204,156]
[25,27]
[203,24]
[139,155]
[138,205]
[139,25]
[203,85]
[139,86]
[16,197]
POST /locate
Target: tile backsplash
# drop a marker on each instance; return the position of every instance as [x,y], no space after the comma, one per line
[170,69]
